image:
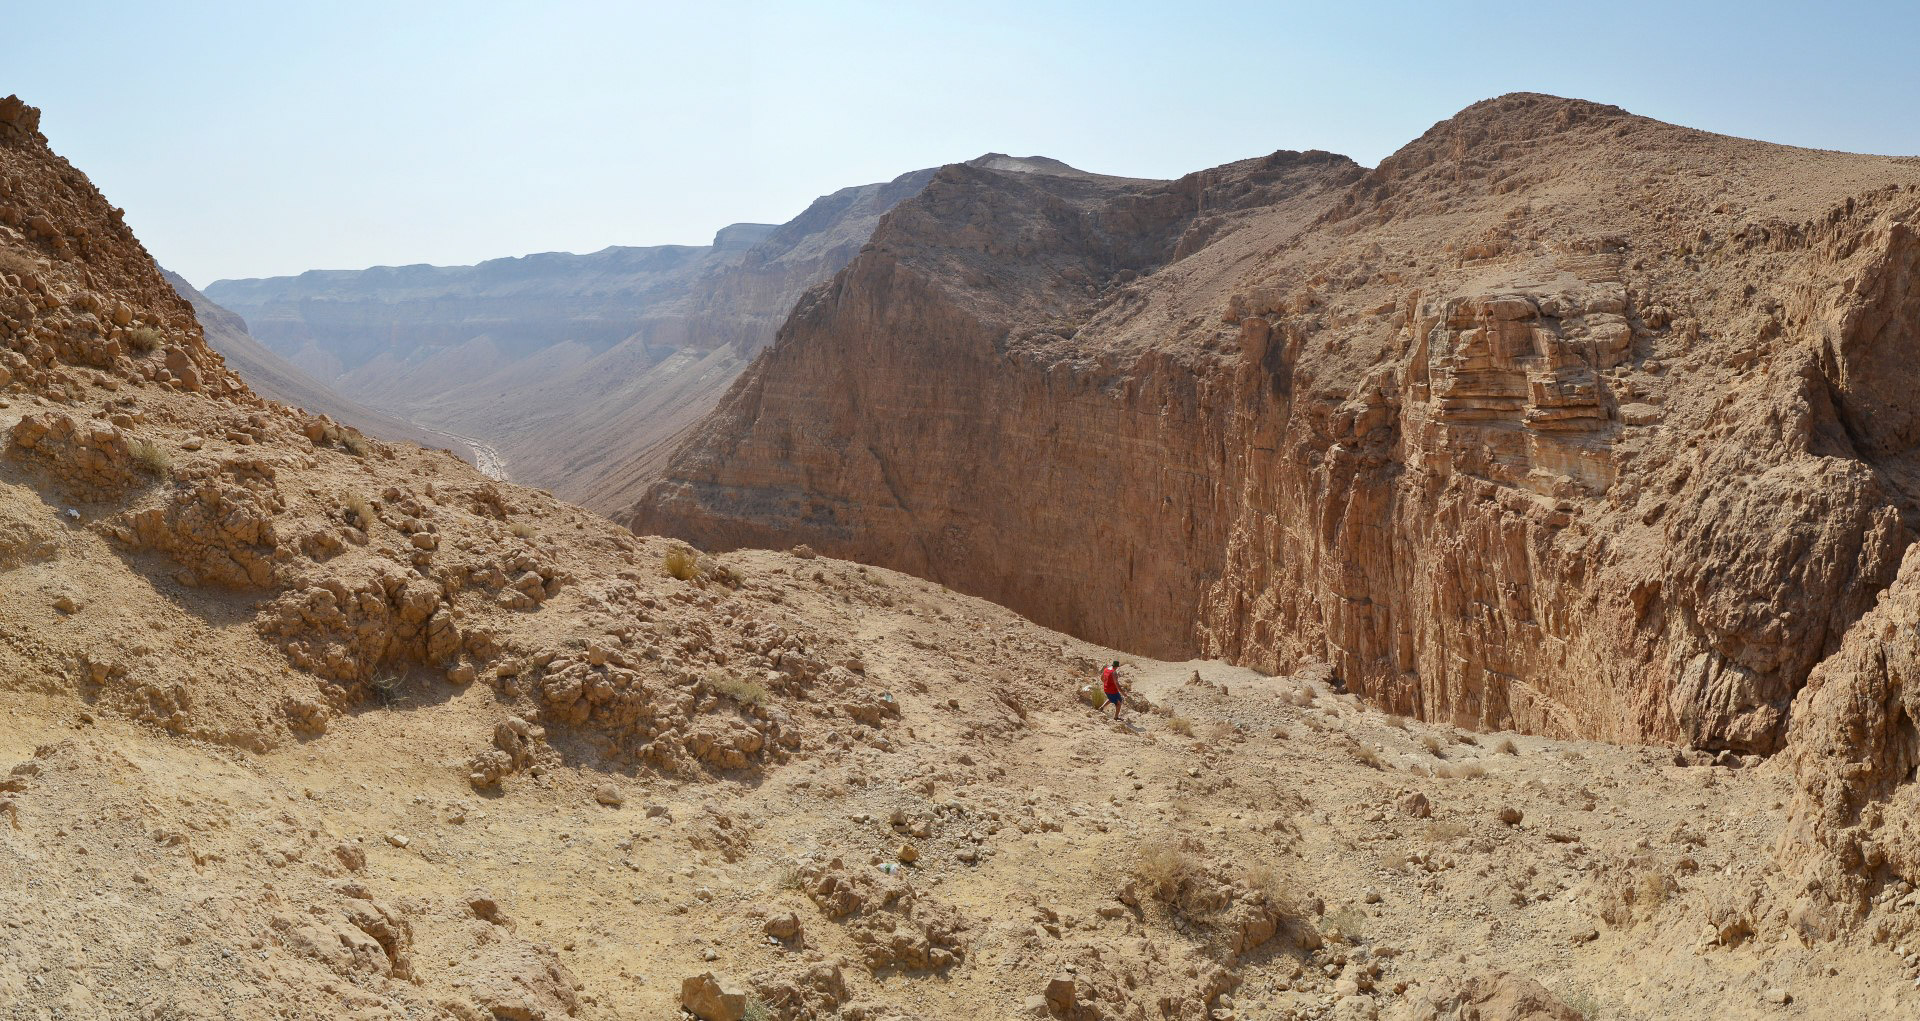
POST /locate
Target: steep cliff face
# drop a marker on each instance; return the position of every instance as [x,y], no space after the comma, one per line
[1561,419]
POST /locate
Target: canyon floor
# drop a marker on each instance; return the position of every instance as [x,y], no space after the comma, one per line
[169,877]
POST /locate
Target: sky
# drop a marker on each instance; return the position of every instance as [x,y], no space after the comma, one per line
[259,139]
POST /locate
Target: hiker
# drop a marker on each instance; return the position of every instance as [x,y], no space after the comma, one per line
[1110,684]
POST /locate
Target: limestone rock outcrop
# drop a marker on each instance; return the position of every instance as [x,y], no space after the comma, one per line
[1562,419]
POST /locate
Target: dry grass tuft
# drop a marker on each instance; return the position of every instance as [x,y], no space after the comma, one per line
[1434,746]
[1267,880]
[355,443]
[682,562]
[1396,722]
[358,511]
[1448,831]
[1507,747]
[522,529]
[1348,925]
[1368,755]
[144,339]
[1461,771]
[1181,725]
[1162,866]
[151,458]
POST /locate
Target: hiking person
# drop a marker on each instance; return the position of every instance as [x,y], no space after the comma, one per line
[1110,685]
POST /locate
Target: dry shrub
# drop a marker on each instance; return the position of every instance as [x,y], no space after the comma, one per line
[144,339]
[522,529]
[1395,859]
[1462,737]
[1162,866]
[1221,732]
[1347,925]
[151,458]
[386,690]
[1433,746]
[1569,755]
[1461,771]
[1651,890]
[739,689]
[1507,747]
[683,563]
[1268,881]
[1397,722]
[1448,831]
[1181,725]
[17,263]
[1368,755]
[1581,1001]
[355,442]
[359,511]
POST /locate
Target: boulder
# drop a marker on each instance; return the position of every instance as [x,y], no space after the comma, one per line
[704,997]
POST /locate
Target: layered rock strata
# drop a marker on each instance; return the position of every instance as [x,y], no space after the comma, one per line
[1561,419]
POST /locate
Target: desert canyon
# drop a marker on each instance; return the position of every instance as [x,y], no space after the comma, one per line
[1509,550]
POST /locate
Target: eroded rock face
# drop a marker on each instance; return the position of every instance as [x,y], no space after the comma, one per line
[1505,447]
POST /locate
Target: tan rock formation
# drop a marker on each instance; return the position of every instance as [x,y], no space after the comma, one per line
[1561,419]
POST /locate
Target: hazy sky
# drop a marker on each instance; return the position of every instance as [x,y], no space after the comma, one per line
[267,138]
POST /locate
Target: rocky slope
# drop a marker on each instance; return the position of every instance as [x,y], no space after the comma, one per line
[1561,419]
[275,378]
[578,368]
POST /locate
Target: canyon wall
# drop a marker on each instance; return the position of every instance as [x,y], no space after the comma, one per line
[578,368]
[1561,419]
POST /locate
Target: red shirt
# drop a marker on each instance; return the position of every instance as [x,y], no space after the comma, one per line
[1110,681]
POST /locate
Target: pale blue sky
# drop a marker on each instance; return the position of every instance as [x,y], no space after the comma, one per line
[263,138]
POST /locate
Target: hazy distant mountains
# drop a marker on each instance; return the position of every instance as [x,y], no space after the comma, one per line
[578,368]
